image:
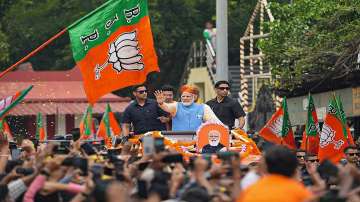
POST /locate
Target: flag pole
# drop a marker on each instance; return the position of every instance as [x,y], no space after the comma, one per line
[305,132]
[42,46]
[307,143]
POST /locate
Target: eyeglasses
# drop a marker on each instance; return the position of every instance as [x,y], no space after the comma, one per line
[142,91]
[223,88]
[299,157]
[352,154]
[313,160]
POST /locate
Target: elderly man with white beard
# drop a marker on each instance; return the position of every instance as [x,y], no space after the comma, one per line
[186,115]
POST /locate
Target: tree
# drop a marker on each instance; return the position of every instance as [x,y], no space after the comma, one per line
[175,25]
[4,48]
[309,39]
[29,23]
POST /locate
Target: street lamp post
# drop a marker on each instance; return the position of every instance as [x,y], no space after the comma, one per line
[221,40]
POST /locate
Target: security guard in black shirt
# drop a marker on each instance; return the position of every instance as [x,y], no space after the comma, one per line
[144,114]
[226,108]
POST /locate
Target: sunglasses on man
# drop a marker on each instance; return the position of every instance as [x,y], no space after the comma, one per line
[141,91]
[313,160]
[223,88]
[353,154]
[300,157]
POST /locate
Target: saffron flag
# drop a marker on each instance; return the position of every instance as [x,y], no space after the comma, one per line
[40,130]
[86,124]
[5,129]
[310,140]
[115,126]
[113,47]
[109,127]
[10,102]
[278,128]
[333,138]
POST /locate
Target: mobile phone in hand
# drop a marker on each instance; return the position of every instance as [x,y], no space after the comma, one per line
[148,145]
[173,158]
[25,171]
[15,154]
[159,144]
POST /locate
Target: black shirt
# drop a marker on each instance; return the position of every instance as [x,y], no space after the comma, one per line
[227,110]
[144,118]
[208,149]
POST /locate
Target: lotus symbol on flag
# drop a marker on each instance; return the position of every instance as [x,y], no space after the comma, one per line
[124,53]
[276,126]
[328,137]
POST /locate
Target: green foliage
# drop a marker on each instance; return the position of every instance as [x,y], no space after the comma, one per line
[29,23]
[307,38]
[175,24]
[4,48]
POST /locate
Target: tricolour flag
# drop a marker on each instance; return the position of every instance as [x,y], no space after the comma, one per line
[333,136]
[5,129]
[113,47]
[109,127]
[278,128]
[310,140]
[9,102]
[86,124]
[40,130]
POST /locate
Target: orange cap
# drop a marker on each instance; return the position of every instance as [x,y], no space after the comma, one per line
[189,89]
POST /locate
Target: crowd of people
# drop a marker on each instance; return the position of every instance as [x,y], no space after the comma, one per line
[84,170]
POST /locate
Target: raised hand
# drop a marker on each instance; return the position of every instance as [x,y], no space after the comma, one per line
[160,98]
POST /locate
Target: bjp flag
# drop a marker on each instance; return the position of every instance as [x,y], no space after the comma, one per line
[86,124]
[109,127]
[113,47]
[5,129]
[310,140]
[333,136]
[346,128]
[278,129]
[40,130]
